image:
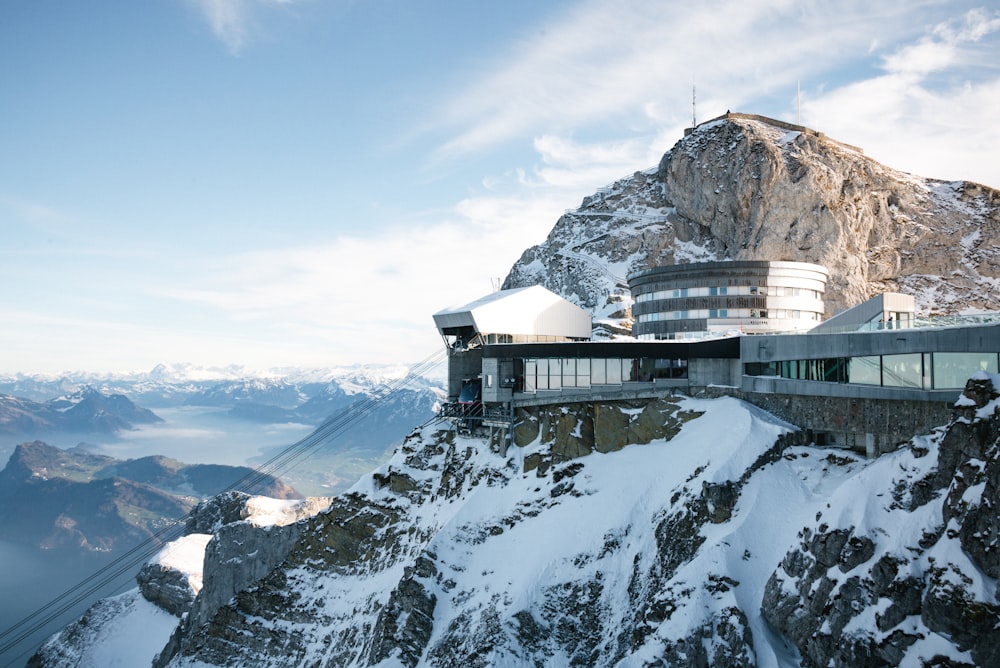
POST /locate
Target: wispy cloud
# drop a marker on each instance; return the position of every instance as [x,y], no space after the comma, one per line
[607,64]
[633,65]
[232,21]
[931,109]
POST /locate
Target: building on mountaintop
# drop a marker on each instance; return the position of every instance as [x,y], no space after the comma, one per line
[839,380]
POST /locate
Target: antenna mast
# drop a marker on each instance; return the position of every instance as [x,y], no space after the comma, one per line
[694,116]
[798,91]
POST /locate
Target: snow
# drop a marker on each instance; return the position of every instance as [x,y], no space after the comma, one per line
[133,632]
[187,555]
[511,544]
[265,511]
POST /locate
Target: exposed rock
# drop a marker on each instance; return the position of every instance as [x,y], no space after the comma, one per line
[167,587]
[212,514]
[725,640]
[574,430]
[747,188]
[827,592]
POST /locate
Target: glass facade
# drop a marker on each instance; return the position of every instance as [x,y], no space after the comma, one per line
[701,298]
[928,371]
[557,373]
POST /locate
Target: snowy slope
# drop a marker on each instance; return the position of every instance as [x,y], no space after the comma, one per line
[666,553]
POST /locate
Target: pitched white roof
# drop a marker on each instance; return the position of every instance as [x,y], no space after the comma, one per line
[528,311]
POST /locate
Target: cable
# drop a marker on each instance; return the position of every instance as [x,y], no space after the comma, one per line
[330,429]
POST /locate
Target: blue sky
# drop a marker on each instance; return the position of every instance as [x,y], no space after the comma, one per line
[280,183]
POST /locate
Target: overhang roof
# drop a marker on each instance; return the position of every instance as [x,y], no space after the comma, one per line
[531,311]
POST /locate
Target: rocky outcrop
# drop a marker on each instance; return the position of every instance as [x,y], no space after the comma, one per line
[574,430]
[243,549]
[848,594]
[745,188]
[166,587]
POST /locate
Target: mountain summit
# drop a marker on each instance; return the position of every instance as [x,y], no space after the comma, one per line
[745,187]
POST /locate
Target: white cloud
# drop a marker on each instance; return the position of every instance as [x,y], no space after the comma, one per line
[232,20]
[931,111]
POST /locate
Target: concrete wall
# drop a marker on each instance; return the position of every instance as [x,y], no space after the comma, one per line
[494,376]
[707,372]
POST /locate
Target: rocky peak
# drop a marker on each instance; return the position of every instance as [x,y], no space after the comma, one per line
[745,187]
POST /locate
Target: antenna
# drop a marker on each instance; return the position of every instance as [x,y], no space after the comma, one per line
[694,116]
[798,92]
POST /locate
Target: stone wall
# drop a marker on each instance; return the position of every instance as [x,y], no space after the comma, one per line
[871,426]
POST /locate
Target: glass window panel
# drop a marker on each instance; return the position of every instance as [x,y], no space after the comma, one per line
[543,374]
[614,372]
[952,370]
[583,373]
[530,375]
[865,370]
[569,373]
[598,375]
[555,374]
[902,370]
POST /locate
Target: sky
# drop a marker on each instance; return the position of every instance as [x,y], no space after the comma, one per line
[303,183]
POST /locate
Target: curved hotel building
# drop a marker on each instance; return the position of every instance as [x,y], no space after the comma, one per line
[750,296]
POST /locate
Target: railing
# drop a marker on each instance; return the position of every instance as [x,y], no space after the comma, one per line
[915,323]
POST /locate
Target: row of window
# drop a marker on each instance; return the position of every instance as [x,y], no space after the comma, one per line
[557,373]
[732,313]
[770,291]
[937,371]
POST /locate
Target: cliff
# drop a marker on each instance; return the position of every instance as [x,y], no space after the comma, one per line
[706,537]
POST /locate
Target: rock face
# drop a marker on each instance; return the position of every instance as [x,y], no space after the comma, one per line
[748,188]
[868,589]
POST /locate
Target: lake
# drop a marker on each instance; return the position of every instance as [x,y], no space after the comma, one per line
[30,578]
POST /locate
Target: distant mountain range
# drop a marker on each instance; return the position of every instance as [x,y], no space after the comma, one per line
[86,410]
[73,499]
[308,396]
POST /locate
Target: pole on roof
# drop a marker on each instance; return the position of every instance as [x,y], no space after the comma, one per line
[694,116]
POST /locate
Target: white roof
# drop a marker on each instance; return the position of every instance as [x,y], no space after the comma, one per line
[527,311]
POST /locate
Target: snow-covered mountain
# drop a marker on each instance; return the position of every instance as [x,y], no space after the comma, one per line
[86,410]
[709,539]
[705,533]
[178,384]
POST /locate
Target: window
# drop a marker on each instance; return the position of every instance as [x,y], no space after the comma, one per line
[865,370]
[530,375]
[583,373]
[614,372]
[555,374]
[569,373]
[952,370]
[902,370]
